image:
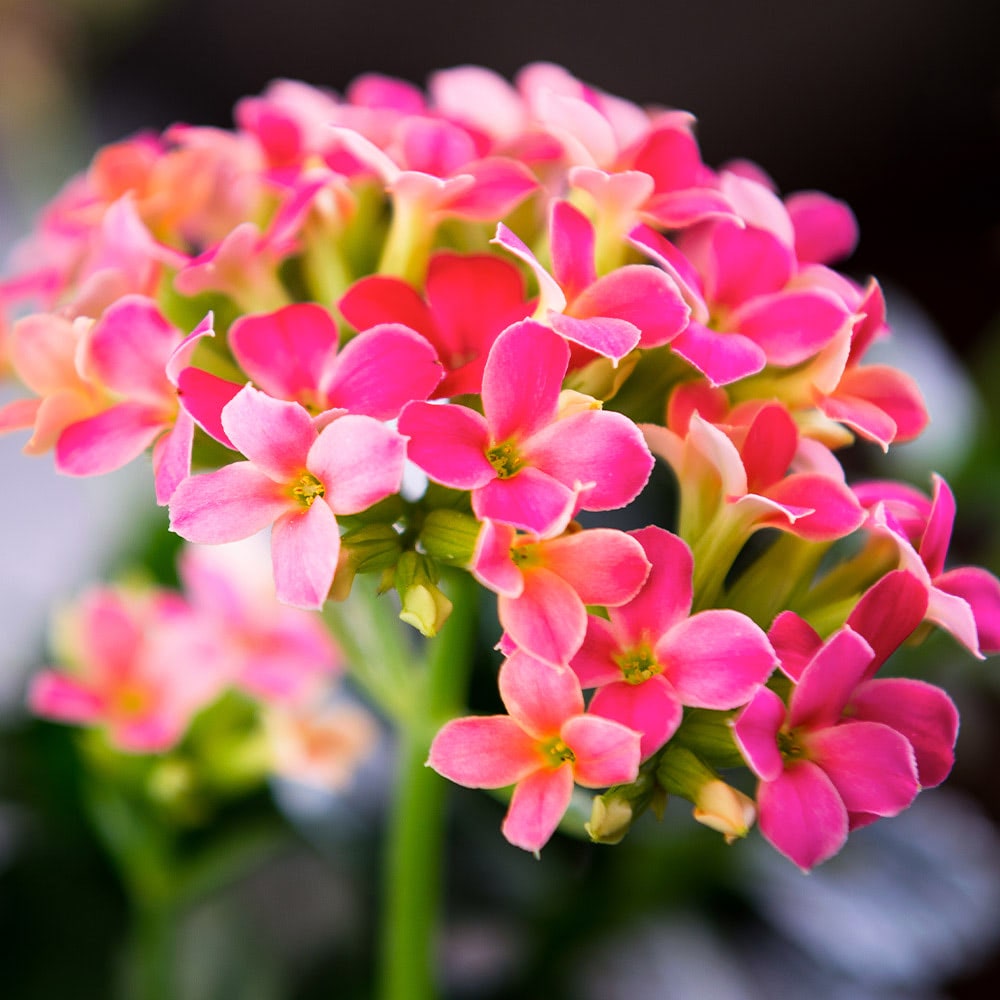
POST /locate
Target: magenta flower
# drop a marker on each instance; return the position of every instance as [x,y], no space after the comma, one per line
[542,747]
[544,584]
[649,658]
[527,464]
[296,479]
[822,771]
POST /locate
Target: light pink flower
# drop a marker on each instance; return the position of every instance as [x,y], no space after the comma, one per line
[542,747]
[295,479]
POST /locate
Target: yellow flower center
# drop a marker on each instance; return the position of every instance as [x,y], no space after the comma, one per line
[557,752]
[307,489]
[505,459]
[638,665]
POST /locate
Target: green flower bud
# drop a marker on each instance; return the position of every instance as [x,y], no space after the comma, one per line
[425,607]
[449,536]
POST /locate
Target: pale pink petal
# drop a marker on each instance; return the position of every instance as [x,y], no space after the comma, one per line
[20,414]
[274,434]
[651,709]
[483,752]
[721,357]
[359,461]
[713,444]
[381,370]
[551,295]
[180,357]
[530,500]
[539,802]
[923,713]
[594,663]
[500,185]
[755,730]
[825,228]
[109,440]
[522,380]
[611,338]
[547,620]
[172,457]
[538,696]
[872,766]
[828,681]
[492,564]
[801,815]
[231,503]
[478,97]
[305,544]
[716,659]
[606,753]
[449,443]
[981,590]
[954,615]
[604,566]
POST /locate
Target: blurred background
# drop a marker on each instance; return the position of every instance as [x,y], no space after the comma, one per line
[892,105]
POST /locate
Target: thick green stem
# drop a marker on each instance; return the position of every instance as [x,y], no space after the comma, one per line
[414,847]
[152,954]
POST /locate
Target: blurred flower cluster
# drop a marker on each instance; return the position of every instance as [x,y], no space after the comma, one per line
[423,336]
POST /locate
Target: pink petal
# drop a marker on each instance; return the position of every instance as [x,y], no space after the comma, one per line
[802,816]
[887,614]
[539,802]
[231,503]
[716,659]
[665,597]
[551,295]
[981,590]
[609,337]
[205,396]
[522,380]
[825,228]
[378,299]
[572,238]
[769,447]
[937,535]
[829,680]
[483,752]
[172,457]
[872,766]
[721,357]
[381,370]
[795,642]
[741,264]
[890,391]
[594,663]
[604,566]
[606,753]
[547,619]
[274,434]
[755,730]
[651,709]
[954,615]
[862,417]
[538,696]
[449,443]
[492,564]
[359,461]
[59,696]
[501,184]
[531,500]
[109,440]
[921,712]
[305,544]
[835,511]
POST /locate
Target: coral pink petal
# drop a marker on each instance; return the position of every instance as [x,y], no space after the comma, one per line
[792,327]
[835,511]
[359,461]
[594,664]
[172,457]
[231,503]
[548,619]
[522,380]
[755,730]
[531,500]
[58,696]
[825,228]
[981,590]
[492,564]
[665,598]
[283,352]
[606,752]
[828,681]
[921,712]
[861,416]
[887,614]
[744,264]
[872,766]
[892,392]
[801,815]
[572,237]
[611,338]
[651,709]
[305,544]
[19,414]
[501,184]
[538,696]
[769,447]
[603,565]
[680,209]
[205,396]
[716,659]
[721,357]
[484,752]
[109,440]
[274,434]
[673,261]
[381,370]
[641,294]
[378,299]
[449,443]
[152,734]
[539,802]
[795,642]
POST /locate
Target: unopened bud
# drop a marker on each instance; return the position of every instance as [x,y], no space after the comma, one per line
[601,379]
[726,809]
[614,812]
[449,536]
[424,605]
[709,734]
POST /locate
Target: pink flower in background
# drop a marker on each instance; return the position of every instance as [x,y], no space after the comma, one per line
[296,479]
[545,744]
[527,464]
[649,658]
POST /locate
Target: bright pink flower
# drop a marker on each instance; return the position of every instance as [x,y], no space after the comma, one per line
[649,658]
[140,665]
[468,300]
[545,584]
[637,305]
[294,478]
[822,771]
[542,747]
[527,464]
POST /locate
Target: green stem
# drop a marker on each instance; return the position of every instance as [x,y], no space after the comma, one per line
[414,848]
[152,953]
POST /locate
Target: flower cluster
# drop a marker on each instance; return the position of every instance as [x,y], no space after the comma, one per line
[528,292]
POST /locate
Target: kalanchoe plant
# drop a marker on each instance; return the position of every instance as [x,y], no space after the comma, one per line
[417,335]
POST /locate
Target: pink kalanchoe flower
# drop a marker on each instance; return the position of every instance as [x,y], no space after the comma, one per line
[296,479]
[528,464]
[469,300]
[821,771]
[637,305]
[293,354]
[649,658]
[542,747]
[140,665]
[964,601]
[545,584]
[137,356]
